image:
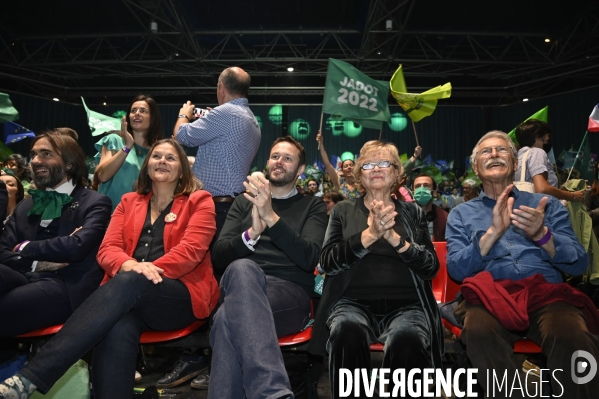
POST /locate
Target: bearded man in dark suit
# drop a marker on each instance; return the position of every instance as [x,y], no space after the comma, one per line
[48,247]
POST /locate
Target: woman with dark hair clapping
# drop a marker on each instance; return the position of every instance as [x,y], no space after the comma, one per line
[121,154]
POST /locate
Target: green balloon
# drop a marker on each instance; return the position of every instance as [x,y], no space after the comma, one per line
[352,129]
[259,120]
[339,125]
[347,155]
[335,125]
[275,114]
[398,122]
[299,129]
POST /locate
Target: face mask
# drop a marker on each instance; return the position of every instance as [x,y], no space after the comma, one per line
[422,196]
[547,146]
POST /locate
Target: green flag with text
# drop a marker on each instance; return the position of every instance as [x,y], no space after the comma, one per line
[355,96]
[99,123]
[8,113]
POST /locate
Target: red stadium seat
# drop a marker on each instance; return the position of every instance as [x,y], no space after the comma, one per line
[148,337]
[299,337]
[41,332]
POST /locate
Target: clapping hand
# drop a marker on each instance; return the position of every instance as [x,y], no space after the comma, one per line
[381,219]
[502,212]
[531,220]
[129,141]
[258,193]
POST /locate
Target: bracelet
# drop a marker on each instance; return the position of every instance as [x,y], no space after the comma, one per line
[126,149]
[247,238]
[21,246]
[543,240]
[402,243]
[184,116]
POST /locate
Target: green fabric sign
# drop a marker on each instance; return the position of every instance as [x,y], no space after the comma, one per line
[353,95]
[8,113]
[99,123]
[586,162]
[417,106]
[541,115]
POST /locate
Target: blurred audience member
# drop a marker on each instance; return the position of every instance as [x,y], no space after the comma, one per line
[534,139]
[15,192]
[312,188]
[22,171]
[331,199]
[592,201]
[343,180]
[436,217]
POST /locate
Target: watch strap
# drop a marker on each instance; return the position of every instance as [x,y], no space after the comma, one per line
[402,243]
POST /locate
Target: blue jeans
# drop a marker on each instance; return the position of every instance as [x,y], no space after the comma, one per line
[354,325]
[255,310]
[112,319]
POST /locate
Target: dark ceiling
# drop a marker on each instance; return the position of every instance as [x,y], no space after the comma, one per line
[492,52]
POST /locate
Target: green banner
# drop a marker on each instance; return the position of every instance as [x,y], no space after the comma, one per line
[8,113]
[542,115]
[586,161]
[417,106]
[99,123]
[353,95]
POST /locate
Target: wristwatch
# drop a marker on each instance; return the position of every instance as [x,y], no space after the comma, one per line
[183,116]
[402,243]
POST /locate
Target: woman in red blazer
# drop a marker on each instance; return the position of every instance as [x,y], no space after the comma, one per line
[158,277]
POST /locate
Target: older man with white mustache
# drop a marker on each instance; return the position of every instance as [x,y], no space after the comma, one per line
[525,241]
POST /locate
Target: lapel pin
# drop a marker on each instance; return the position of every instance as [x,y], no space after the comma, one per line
[74,206]
[170,217]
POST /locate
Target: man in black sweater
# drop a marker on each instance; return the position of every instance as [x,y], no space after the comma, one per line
[268,249]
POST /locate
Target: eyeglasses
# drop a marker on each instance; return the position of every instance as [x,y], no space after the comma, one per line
[382,165]
[487,151]
[142,111]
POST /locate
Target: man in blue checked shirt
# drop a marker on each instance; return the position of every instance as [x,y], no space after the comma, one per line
[227,138]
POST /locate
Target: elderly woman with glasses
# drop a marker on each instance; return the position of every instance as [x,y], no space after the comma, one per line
[121,153]
[379,261]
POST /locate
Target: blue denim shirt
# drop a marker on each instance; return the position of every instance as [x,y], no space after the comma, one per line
[514,256]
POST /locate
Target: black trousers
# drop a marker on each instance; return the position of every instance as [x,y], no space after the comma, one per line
[355,324]
[29,301]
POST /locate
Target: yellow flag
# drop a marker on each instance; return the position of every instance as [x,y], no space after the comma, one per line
[417,106]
